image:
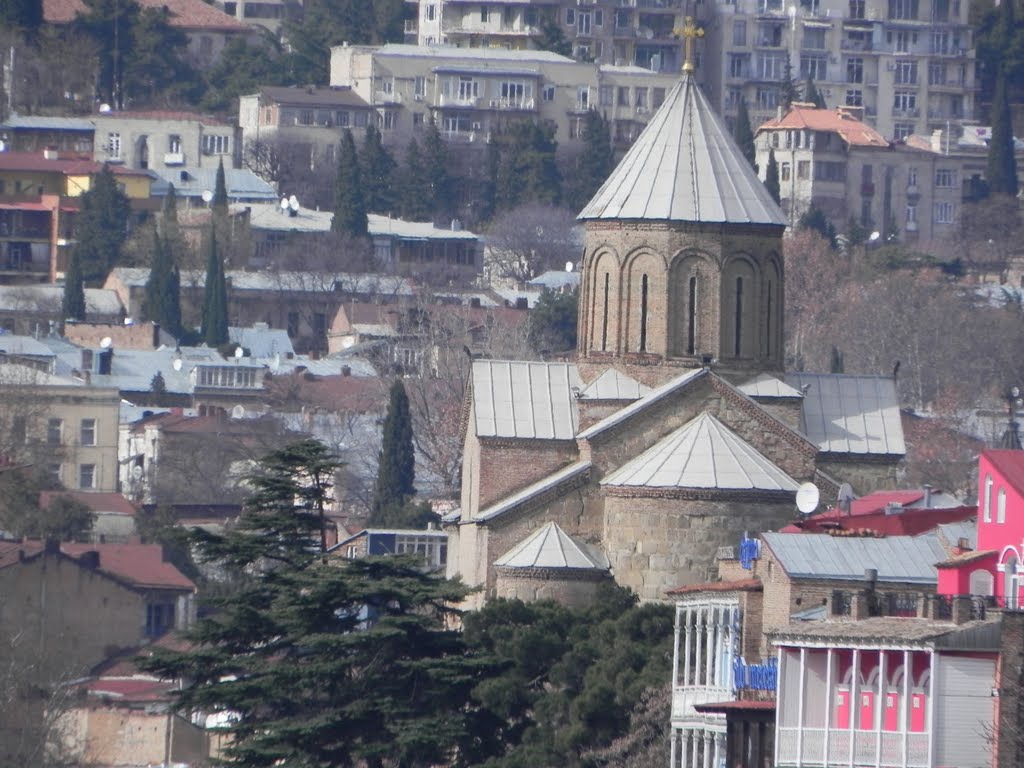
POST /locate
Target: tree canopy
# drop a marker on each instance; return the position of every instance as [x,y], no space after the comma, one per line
[101,227]
[215,296]
[744,134]
[349,200]
[771,177]
[396,471]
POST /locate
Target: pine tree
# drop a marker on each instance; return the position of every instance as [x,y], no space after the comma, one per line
[597,159]
[1001,172]
[101,227]
[215,297]
[349,203]
[771,178]
[377,168]
[73,303]
[347,663]
[437,172]
[745,134]
[789,91]
[415,191]
[396,471]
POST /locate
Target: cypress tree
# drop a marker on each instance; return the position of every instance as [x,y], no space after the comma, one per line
[73,302]
[215,298]
[219,204]
[101,227]
[789,91]
[349,203]
[436,171]
[396,471]
[812,95]
[415,192]
[771,178]
[597,159]
[162,303]
[489,192]
[744,134]
[1001,172]
[377,168]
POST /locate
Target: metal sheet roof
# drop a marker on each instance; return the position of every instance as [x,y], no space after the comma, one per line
[965,529]
[525,400]
[766,385]
[615,385]
[643,403]
[551,547]
[908,559]
[850,414]
[685,166]
[703,454]
[16,122]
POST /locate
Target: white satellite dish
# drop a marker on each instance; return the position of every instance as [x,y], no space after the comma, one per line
[239,353]
[137,472]
[568,266]
[104,109]
[807,497]
[176,365]
[238,412]
[207,195]
[293,203]
[129,321]
[106,342]
[284,203]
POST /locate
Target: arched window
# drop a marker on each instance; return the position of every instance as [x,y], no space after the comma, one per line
[691,319]
[604,315]
[738,340]
[1001,506]
[1011,582]
[981,583]
[643,313]
[768,320]
[986,502]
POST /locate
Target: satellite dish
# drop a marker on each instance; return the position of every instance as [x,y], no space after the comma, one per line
[129,321]
[238,412]
[807,498]
[284,203]
[568,266]
[845,493]
[873,237]
[136,472]
[293,203]
[207,195]
[104,109]
[106,342]
[239,353]
[176,365]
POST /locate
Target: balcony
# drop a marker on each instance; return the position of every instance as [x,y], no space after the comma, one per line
[836,746]
[867,189]
[174,158]
[659,5]
[513,105]
[459,102]
[411,27]
[906,112]
[384,97]
[685,697]
[913,190]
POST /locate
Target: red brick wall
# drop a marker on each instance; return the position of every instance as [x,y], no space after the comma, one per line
[507,466]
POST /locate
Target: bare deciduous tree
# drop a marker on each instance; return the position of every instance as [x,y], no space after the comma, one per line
[525,241]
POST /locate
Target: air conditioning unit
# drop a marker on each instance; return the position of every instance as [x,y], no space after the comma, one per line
[418,97]
[495,103]
[476,126]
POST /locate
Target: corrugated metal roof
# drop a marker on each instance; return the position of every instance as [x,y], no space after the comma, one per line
[551,547]
[909,559]
[615,385]
[525,400]
[646,401]
[545,484]
[47,298]
[16,122]
[850,414]
[766,385]
[965,529]
[242,184]
[703,454]
[483,55]
[685,166]
[878,632]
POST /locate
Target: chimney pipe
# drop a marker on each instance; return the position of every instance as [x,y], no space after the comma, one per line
[927,496]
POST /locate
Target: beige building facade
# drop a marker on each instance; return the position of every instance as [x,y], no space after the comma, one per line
[161,140]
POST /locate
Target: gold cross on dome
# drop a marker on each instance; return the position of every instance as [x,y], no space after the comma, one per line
[688,32]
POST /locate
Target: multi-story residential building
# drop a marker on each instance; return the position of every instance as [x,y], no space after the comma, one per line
[910,64]
[39,199]
[34,133]
[268,14]
[912,189]
[309,119]
[163,139]
[470,92]
[640,32]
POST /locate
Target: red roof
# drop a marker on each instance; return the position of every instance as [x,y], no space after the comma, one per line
[805,116]
[35,161]
[131,688]
[740,585]
[1010,465]
[96,501]
[185,14]
[908,522]
[137,565]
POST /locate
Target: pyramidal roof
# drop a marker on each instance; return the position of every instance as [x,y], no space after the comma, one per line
[703,453]
[615,385]
[685,166]
[550,547]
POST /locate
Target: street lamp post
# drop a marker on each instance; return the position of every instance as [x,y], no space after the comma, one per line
[1011,438]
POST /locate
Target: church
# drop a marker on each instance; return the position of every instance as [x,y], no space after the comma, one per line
[676,429]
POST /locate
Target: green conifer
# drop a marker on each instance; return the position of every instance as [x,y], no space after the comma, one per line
[101,227]
[415,192]
[215,297]
[73,303]
[396,471]
[377,168]
[219,203]
[745,134]
[349,203]
[1001,171]
[771,178]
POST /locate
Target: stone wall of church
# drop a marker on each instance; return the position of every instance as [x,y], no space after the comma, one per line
[865,476]
[537,584]
[506,466]
[655,544]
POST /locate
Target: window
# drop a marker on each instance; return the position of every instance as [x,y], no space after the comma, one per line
[641,98]
[944,212]
[623,96]
[902,40]
[87,476]
[456,124]
[88,432]
[293,324]
[570,17]
[1001,506]
[430,14]
[814,39]
[911,177]
[53,472]
[419,87]
[803,170]
[738,65]
[517,92]
[360,119]
[219,145]
[174,144]
[855,69]
[583,23]
[55,431]
[159,618]
[857,9]
[900,131]
[548,93]
[485,14]
[622,19]
[945,178]
[387,85]
[599,18]
[936,73]
[905,102]
[468,88]
[386,120]
[772,67]
[829,171]
[342,118]
[583,98]
[911,214]
[739,33]
[903,9]
[906,73]
[855,97]
[114,146]
[814,67]
[306,117]
[767,98]
[643,313]
[606,95]
[785,170]
[417,119]
[19,429]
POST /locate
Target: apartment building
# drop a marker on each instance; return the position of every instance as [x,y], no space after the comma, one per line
[267,14]
[472,92]
[163,139]
[624,32]
[909,64]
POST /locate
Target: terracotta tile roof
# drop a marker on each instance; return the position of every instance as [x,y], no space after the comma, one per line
[35,161]
[852,131]
[740,585]
[185,14]
[97,502]
[967,557]
[137,565]
[1010,465]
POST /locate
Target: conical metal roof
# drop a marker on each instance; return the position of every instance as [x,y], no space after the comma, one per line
[685,166]
[615,385]
[550,547]
[703,453]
